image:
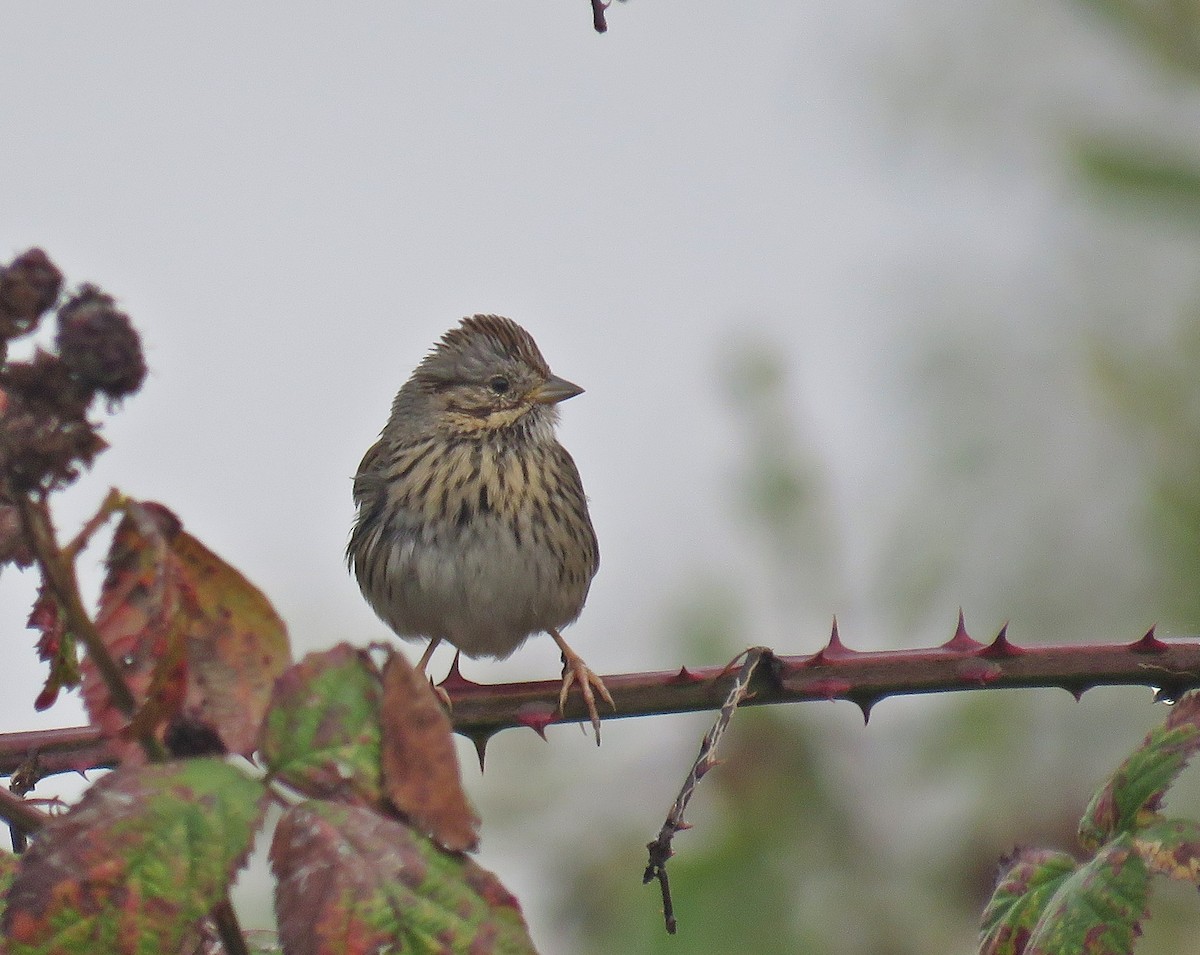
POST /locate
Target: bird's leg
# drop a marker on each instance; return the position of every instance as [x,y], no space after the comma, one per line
[576,671]
[424,662]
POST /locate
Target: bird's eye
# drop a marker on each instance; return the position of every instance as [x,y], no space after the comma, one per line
[498,384]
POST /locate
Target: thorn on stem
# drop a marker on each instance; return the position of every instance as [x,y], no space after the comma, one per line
[1000,647]
[833,650]
[480,741]
[1148,644]
[864,703]
[961,642]
[454,679]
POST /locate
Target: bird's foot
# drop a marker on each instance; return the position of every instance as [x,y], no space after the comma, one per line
[575,671]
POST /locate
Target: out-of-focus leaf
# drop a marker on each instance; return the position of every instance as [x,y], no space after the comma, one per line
[352,882]
[420,767]
[1135,791]
[1144,176]
[1098,908]
[1171,848]
[1169,29]
[321,734]
[1020,898]
[195,641]
[132,868]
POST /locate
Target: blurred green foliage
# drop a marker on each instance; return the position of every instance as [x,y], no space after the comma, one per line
[1168,30]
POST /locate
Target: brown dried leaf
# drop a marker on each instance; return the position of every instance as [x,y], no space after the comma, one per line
[198,645]
[420,767]
[236,648]
[142,622]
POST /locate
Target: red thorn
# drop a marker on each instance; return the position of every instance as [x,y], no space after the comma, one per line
[866,704]
[979,672]
[480,741]
[833,650]
[537,716]
[1000,647]
[961,642]
[1148,644]
[1076,691]
[685,676]
[454,679]
[682,826]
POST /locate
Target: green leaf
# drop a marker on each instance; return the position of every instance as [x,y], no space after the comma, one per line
[1098,908]
[1171,848]
[1133,794]
[321,734]
[1020,898]
[135,866]
[352,882]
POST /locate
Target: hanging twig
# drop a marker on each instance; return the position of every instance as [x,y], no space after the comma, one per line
[660,848]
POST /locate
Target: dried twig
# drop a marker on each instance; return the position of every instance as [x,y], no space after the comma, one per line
[598,21]
[660,848]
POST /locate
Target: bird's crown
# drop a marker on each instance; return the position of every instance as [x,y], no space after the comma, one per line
[485,340]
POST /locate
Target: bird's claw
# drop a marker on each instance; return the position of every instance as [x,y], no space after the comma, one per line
[575,671]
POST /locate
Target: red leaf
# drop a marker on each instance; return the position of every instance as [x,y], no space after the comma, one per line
[195,641]
[420,766]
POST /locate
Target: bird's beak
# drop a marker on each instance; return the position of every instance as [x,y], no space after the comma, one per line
[553,390]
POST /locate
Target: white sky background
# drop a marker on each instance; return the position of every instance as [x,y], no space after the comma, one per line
[293,203]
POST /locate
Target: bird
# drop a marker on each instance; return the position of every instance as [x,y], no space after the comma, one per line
[471,525]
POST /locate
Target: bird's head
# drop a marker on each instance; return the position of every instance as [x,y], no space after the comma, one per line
[488,374]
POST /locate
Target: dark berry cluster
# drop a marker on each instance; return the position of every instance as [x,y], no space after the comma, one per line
[45,432]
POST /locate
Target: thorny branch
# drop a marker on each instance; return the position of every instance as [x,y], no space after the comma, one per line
[835,672]
[660,848]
